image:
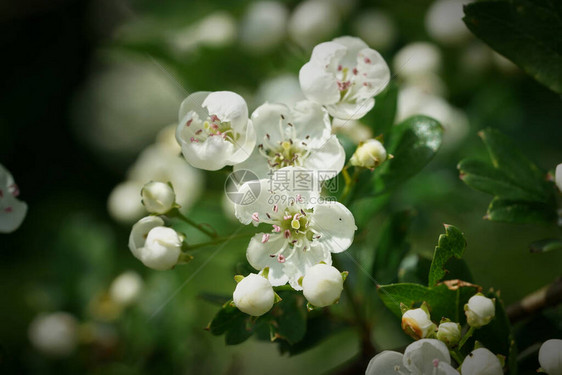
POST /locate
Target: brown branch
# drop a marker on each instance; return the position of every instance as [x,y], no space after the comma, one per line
[547,296]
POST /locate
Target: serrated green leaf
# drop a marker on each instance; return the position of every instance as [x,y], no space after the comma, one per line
[525,31]
[451,244]
[520,212]
[484,177]
[233,323]
[546,245]
[382,117]
[392,247]
[443,301]
[290,317]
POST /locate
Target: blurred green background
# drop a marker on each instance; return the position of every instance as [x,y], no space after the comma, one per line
[87,86]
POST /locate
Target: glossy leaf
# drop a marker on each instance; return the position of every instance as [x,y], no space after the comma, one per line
[451,244]
[546,245]
[382,116]
[520,212]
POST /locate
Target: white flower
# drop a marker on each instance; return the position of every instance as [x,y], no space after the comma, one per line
[264,25]
[417,59]
[423,357]
[417,323]
[218,29]
[300,136]
[449,333]
[322,285]
[158,197]
[166,139]
[344,75]
[481,362]
[550,357]
[254,295]
[126,288]
[355,130]
[479,310]
[376,28]
[558,176]
[443,21]
[305,228]
[153,244]
[12,210]
[54,334]
[369,154]
[214,130]
[124,202]
[313,21]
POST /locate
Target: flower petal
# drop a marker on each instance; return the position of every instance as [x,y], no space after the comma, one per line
[352,45]
[12,213]
[336,225]
[329,158]
[267,119]
[317,84]
[259,257]
[386,362]
[350,110]
[243,145]
[139,232]
[311,119]
[228,107]
[419,356]
[193,102]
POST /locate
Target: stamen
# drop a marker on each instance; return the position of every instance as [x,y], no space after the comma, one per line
[287,233]
[276,228]
[8,209]
[281,258]
[198,131]
[282,117]
[275,208]
[194,140]
[435,362]
[355,71]
[256,217]
[289,124]
[340,68]
[299,198]
[267,214]
[304,143]
[265,238]
[287,217]
[367,60]
[214,118]
[188,123]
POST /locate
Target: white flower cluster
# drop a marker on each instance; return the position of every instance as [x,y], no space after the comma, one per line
[12,210]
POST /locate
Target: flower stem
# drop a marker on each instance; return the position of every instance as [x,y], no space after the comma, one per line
[349,183]
[457,356]
[217,240]
[465,338]
[176,213]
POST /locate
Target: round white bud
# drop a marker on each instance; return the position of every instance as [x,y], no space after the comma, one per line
[481,362]
[322,285]
[54,334]
[126,288]
[449,333]
[158,197]
[313,21]
[264,25]
[417,323]
[443,22]
[550,357]
[161,249]
[254,295]
[479,310]
[417,59]
[369,154]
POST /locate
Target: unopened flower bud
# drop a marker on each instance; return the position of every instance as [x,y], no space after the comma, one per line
[550,357]
[158,197]
[417,324]
[481,362]
[369,154]
[479,310]
[54,334]
[126,288]
[254,295]
[449,333]
[322,285]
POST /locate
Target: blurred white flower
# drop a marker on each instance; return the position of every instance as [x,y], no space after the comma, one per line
[283,89]
[417,59]
[550,357]
[353,129]
[254,295]
[503,63]
[298,136]
[305,228]
[158,197]
[481,362]
[417,323]
[122,107]
[479,310]
[376,28]
[158,247]
[423,357]
[218,29]
[322,285]
[313,21]
[167,139]
[12,210]
[476,57]
[54,334]
[369,154]
[558,176]
[413,101]
[214,130]
[264,25]
[124,202]
[126,288]
[344,75]
[444,23]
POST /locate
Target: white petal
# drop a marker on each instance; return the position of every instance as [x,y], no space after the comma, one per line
[311,119]
[374,72]
[212,154]
[329,158]
[386,362]
[550,356]
[193,102]
[444,368]
[558,177]
[317,84]
[244,146]
[351,110]
[256,163]
[228,107]
[482,362]
[328,55]
[267,118]
[297,266]
[139,232]
[260,204]
[259,257]
[419,356]
[12,213]
[353,45]
[336,225]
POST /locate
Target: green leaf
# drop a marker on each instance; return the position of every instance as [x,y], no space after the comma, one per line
[546,245]
[525,31]
[392,247]
[290,317]
[414,269]
[451,244]
[381,118]
[231,322]
[443,300]
[517,167]
[520,212]
[482,176]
